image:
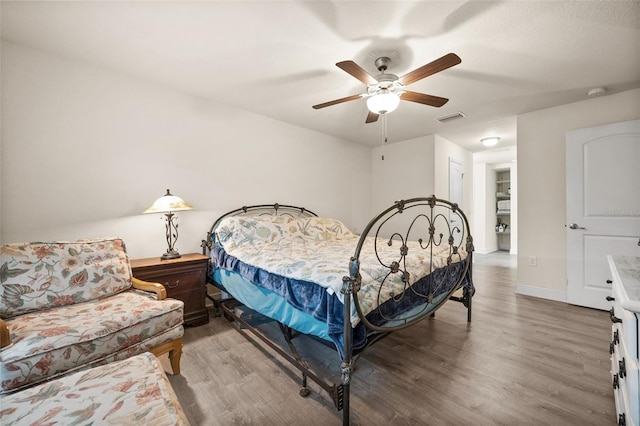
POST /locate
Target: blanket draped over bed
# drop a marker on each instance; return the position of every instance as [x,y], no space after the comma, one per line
[304,261]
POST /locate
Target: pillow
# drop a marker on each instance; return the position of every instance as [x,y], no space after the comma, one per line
[41,275]
[316,228]
[236,231]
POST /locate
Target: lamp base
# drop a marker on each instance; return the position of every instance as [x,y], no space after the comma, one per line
[170,255]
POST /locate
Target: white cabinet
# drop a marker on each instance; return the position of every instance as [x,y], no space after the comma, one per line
[625,301]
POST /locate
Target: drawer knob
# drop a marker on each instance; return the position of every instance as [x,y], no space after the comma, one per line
[616,382]
[622,368]
[622,421]
[172,286]
[616,337]
[610,298]
[609,282]
[614,319]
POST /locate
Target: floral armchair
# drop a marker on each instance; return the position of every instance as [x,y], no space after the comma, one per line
[67,306]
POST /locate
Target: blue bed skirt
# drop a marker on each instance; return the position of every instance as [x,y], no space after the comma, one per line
[308,307]
[270,304]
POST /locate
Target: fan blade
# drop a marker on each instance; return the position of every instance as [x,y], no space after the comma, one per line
[357,71]
[371,117]
[421,98]
[337,101]
[441,64]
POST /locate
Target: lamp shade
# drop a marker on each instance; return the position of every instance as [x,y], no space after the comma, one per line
[383,102]
[168,203]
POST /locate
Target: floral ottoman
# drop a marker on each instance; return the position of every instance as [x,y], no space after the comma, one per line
[130,392]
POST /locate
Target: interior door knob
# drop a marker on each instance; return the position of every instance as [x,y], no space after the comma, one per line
[575,226]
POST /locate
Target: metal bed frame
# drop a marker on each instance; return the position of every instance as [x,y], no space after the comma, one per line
[433,221]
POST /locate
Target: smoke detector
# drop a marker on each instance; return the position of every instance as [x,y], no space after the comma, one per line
[596,91]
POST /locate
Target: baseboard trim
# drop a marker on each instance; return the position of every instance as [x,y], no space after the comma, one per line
[485,250]
[542,293]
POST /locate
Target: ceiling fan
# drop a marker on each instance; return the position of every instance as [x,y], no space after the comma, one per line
[384,91]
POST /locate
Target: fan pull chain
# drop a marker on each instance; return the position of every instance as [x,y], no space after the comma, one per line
[384,133]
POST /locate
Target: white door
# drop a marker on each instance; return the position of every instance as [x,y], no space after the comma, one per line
[603,207]
[456,176]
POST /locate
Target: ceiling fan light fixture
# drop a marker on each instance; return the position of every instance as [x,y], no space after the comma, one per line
[491,141]
[383,102]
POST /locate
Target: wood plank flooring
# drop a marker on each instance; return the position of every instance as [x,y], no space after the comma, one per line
[521,361]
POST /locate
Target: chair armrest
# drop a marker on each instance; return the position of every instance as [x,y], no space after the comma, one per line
[156,288]
[5,337]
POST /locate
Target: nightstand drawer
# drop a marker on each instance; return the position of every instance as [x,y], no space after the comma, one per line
[186,287]
[179,283]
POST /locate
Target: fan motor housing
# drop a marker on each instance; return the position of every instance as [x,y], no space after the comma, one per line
[382,63]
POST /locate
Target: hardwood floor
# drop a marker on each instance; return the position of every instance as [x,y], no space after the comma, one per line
[521,361]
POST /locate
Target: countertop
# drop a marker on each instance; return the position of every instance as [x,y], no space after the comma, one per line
[626,269]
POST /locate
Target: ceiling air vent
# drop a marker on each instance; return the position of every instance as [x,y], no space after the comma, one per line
[450,117]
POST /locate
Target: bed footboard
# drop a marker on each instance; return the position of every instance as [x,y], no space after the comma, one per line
[422,250]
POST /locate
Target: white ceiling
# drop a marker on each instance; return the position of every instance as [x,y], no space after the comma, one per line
[278,58]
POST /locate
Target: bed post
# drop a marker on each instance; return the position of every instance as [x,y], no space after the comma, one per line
[346,364]
[470,290]
[350,284]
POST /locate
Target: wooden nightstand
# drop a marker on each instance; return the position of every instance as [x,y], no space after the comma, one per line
[184,278]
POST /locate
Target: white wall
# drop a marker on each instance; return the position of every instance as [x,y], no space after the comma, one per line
[407,171]
[541,185]
[483,228]
[1,138]
[445,151]
[418,168]
[86,150]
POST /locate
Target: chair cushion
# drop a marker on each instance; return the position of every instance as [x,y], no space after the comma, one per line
[50,342]
[133,391]
[36,276]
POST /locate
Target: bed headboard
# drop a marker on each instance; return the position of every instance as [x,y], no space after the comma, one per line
[435,229]
[275,209]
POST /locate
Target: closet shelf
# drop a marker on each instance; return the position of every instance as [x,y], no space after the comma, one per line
[503,208]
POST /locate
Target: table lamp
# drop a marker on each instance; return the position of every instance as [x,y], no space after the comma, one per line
[168,204]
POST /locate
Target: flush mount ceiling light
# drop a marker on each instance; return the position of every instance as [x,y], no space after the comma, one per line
[492,141]
[383,102]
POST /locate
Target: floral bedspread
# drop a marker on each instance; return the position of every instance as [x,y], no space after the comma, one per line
[318,250]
